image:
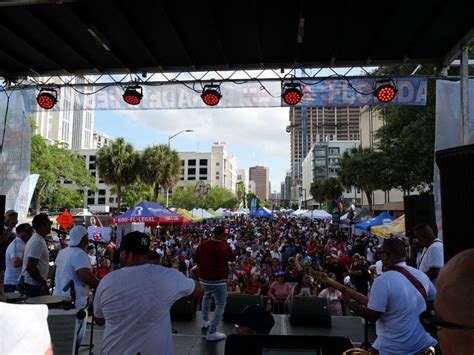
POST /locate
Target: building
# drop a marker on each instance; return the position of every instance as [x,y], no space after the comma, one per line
[310,125]
[260,175]
[252,187]
[322,162]
[69,126]
[101,140]
[242,176]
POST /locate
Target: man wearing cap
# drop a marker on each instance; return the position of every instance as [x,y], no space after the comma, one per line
[134,302]
[212,257]
[73,264]
[14,257]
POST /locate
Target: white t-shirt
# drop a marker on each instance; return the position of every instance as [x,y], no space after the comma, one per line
[135,302]
[68,261]
[379,267]
[399,330]
[36,248]
[15,249]
[275,254]
[432,257]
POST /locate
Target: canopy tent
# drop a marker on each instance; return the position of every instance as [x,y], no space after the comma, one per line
[360,215]
[149,213]
[201,213]
[262,212]
[214,213]
[224,211]
[187,215]
[317,214]
[393,228]
[376,221]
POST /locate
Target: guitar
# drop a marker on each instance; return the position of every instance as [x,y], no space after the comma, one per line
[322,277]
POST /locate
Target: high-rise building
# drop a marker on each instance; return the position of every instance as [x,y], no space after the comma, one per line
[260,175]
[310,125]
[243,176]
[101,140]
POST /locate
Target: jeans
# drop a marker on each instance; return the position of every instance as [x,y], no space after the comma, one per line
[32,290]
[81,328]
[219,292]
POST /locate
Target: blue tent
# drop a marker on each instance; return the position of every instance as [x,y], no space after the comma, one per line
[376,221]
[148,212]
[262,212]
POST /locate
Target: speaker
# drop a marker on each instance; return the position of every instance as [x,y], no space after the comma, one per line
[419,209]
[184,308]
[310,311]
[2,208]
[456,171]
[236,303]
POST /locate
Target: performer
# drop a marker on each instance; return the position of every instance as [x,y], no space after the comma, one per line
[14,257]
[134,302]
[73,263]
[432,257]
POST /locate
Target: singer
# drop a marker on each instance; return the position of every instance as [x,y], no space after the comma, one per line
[73,264]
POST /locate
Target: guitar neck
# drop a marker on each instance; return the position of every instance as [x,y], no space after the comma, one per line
[359,297]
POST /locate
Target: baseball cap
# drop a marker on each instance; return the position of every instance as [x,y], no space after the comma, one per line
[24,227]
[255,317]
[137,242]
[76,234]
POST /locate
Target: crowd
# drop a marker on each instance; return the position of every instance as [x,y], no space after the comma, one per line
[277,258]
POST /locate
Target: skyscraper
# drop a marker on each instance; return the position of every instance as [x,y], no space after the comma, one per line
[260,175]
[309,125]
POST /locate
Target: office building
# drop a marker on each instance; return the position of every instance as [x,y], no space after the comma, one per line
[101,139]
[260,175]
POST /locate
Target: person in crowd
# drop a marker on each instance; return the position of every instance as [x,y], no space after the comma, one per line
[334,296]
[212,257]
[134,302]
[14,257]
[396,300]
[280,293]
[73,264]
[232,285]
[338,269]
[105,269]
[8,235]
[254,286]
[253,320]
[305,287]
[454,314]
[36,258]
[432,257]
[360,276]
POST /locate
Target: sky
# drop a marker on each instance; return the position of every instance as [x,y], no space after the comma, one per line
[255,136]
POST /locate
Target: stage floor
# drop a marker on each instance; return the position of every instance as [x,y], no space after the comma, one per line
[190,339]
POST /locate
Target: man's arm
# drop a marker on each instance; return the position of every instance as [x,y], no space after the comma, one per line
[86,276]
[433,272]
[17,261]
[364,312]
[32,268]
[198,290]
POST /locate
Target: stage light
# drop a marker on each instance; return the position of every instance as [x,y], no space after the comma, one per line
[292,93]
[133,94]
[211,95]
[385,90]
[47,98]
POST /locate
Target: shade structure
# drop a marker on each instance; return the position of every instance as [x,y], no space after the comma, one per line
[214,213]
[262,212]
[317,214]
[148,212]
[376,221]
[187,215]
[393,228]
[201,213]
[224,212]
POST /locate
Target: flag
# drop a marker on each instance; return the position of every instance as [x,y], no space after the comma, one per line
[253,205]
[340,204]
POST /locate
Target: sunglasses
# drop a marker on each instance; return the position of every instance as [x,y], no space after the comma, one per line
[431,322]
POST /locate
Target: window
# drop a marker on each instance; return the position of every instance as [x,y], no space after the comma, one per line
[80,192]
[319,153]
[203,162]
[101,181]
[67,181]
[102,192]
[101,201]
[334,151]
[90,201]
[320,162]
[191,171]
[111,200]
[348,191]
[191,178]
[217,173]
[217,177]
[192,162]
[92,165]
[90,193]
[93,173]
[181,178]
[203,171]
[92,158]
[218,164]
[202,177]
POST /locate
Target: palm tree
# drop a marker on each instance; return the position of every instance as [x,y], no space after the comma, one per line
[160,167]
[117,164]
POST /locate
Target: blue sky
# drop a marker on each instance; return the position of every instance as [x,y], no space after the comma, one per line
[255,136]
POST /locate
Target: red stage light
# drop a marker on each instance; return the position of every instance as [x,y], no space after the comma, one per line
[133,95]
[47,98]
[292,93]
[385,90]
[211,95]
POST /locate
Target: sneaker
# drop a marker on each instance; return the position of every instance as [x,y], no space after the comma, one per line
[215,336]
[205,324]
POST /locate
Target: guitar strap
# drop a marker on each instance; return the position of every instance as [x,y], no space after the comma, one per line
[412,279]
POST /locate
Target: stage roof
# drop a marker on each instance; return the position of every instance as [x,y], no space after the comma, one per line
[105,36]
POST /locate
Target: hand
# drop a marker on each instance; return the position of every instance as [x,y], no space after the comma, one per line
[286,301]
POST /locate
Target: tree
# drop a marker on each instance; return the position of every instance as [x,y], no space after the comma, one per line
[64,197]
[241,193]
[137,192]
[185,197]
[160,167]
[54,163]
[363,168]
[332,189]
[118,165]
[221,197]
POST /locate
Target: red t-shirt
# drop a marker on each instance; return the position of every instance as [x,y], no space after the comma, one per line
[212,258]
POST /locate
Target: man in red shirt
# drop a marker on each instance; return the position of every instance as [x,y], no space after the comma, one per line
[212,257]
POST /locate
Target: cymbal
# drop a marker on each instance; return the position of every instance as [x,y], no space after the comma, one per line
[46,300]
[14,297]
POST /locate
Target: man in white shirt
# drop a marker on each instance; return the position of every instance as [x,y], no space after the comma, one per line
[134,302]
[432,257]
[36,260]
[14,256]
[73,264]
[395,304]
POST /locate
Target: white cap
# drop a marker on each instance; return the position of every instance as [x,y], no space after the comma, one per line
[76,234]
[248,250]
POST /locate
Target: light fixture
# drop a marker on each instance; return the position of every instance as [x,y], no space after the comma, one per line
[211,95]
[292,93]
[47,98]
[133,94]
[385,90]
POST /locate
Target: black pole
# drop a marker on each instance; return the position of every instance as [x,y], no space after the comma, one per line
[366,345]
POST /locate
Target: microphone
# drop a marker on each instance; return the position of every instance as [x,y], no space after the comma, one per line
[103,242]
[59,231]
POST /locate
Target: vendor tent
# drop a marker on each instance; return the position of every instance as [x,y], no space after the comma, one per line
[214,213]
[148,212]
[376,221]
[317,214]
[201,213]
[262,212]
[187,215]
[224,211]
[393,228]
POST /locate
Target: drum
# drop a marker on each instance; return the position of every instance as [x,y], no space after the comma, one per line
[50,301]
[14,297]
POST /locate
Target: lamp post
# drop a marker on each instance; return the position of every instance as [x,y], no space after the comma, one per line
[169,140]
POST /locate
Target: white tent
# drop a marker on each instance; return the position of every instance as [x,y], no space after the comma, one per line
[316,214]
[224,212]
[201,213]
